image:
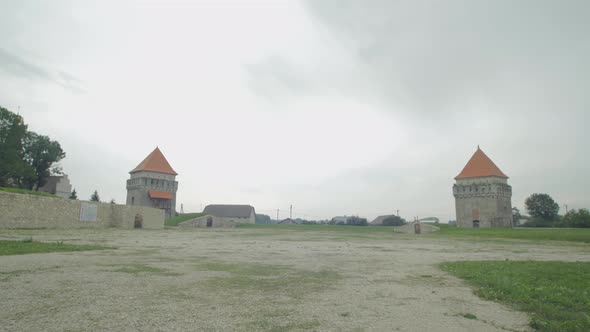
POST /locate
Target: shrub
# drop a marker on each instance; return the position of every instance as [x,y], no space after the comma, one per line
[577,219]
[394,221]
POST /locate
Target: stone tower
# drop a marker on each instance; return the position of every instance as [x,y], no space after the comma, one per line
[153,184]
[482,194]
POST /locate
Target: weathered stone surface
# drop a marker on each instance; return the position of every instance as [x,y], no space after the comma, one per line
[486,200]
[28,211]
[213,222]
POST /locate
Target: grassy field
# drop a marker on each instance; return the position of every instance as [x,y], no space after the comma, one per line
[555,294]
[314,228]
[31,247]
[174,221]
[575,235]
[554,234]
[27,192]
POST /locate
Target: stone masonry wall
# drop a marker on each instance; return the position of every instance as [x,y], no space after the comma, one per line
[202,222]
[487,199]
[28,211]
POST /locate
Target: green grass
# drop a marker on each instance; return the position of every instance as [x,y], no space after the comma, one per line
[327,228]
[174,221]
[555,294]
[575,235]
[29,246]
[27,192]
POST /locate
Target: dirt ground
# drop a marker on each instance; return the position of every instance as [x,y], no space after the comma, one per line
[255,280]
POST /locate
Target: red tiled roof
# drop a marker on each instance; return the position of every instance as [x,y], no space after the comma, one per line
[478,166]
[160,194]
[155,162]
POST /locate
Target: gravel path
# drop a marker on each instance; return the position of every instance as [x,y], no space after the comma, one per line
[255,279]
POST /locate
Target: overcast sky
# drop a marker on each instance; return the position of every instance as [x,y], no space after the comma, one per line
[337,107]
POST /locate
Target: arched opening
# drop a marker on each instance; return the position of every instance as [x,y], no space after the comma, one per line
[476,224]
[132,200]
[209,221]
[138,223]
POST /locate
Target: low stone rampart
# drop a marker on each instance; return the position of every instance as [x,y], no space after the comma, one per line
[28,211]
[208,221]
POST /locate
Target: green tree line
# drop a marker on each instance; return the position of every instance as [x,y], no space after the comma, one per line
[27,159]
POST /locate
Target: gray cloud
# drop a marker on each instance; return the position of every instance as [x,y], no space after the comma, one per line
[20,67]
[432,56]
[511,76]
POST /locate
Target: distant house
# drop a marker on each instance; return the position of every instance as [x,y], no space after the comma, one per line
[232,213]
[58,185]
[379,220]
[288,221]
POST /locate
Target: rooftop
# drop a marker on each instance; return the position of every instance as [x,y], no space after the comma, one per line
[155,162]
[480,165]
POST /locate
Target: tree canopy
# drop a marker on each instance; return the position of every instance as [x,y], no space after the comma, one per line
[579,218]
[357,221]
[542,206]
[394,221]
[27,159]
[94,197]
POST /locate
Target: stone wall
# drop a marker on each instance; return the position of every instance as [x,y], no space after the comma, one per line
[139,184]
[28,211]
[485,199]
[215,222]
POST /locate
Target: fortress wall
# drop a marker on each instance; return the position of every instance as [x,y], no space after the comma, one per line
[29,211]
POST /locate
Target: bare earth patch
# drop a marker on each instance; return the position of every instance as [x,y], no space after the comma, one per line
[255,280]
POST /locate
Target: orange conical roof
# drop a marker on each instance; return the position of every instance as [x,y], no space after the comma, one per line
[478,166]
[155,162]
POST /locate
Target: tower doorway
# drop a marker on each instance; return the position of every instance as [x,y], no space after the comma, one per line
[209,221]
[138,223]
[476,224]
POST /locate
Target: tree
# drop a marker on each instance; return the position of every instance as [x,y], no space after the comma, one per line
[580,218]
[263,219]
[95,197]
[357,221]
[42,154]
[74,195]
[13,168]
[542,206]
[516,216]
[394,221]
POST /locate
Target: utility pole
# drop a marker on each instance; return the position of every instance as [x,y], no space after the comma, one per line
[291,212]
[277,215]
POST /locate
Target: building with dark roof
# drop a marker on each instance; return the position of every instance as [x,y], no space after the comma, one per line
[231,213]
[482,194]
[153,183]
